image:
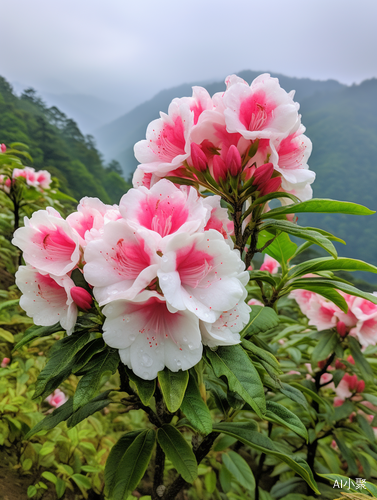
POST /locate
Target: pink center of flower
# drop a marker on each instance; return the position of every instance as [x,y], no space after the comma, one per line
[171,141]
[368,307]
[197,109]
[55,243]
[50,291]
[158,322]
[256,112]
[130,259]
[163,216]
[193,266]
[291,153]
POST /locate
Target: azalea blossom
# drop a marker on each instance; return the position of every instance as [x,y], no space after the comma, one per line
[270,264]
[57,398]
[46,298]
[149,336]
[48,243]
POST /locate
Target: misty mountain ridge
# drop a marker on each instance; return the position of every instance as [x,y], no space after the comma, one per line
[341,122]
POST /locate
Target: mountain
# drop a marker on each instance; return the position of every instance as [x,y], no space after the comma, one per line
[340,120]
[89,112]
[116,140]
[57,145]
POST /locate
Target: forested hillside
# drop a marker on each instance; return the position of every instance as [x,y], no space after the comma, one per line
[56,144]
[341,121]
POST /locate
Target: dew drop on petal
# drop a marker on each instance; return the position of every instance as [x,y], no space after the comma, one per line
[164,278]
[191,347]
[179,364]
[147,360]
[128,319]
[132,338]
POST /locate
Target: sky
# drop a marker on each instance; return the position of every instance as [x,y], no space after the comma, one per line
[126,51]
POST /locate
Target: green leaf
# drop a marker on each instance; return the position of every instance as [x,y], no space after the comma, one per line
[341,480]
[133,465]
[178,452]
[261,320]
[85,355]
[49,476]
[60,487]
[339,285]
[318,205]
[31,491]
[9,303]
[96,404]
[7,336]
[173,386]
[329,264]
[195,409]
[59,364]
[360,361]
[265,445]
[366,428]
[115,457]
[81,481]
[281,415]
[263,276]
[239,468]
[266,358]
[328,340]
[309,234]
[310,393]
[53,419]
[105,361]
[145,388]
[243,378]
[328,293]
[37,331]
[281,249]
[294,394]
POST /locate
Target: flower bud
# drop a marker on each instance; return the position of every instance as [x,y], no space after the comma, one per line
[81,297]
[198,158]
[263,173]
[219,168]
[270,186]
[341,328]
[233,161]
[5,362]
[351,360]
[360,386]
[3,148]
[339,365]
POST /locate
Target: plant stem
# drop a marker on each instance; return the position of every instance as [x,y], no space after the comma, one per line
[158,471]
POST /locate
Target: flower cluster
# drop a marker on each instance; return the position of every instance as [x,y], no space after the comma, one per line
[251,132]
[161,264]
[40,180]
[360,321]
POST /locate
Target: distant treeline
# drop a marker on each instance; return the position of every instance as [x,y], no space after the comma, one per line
[56,144]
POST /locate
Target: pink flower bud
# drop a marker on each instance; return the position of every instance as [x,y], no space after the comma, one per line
[81,297]
[219,168]
[351,360]
[341,328]
[233,161]
[360,386]
[5,362]
[3,148]
[263,173]
[198,158]
[339,365]
[270,186]
[321,364]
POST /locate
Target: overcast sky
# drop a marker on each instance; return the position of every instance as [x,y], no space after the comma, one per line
[126,51]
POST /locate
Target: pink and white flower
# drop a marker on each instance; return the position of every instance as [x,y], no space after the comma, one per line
[168,139]
[149,336]
[46,298]
[48,243]
[122,262]
[262,111]
[201,273]
[165,209]
[90,218]
[270,264]
[57,398]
